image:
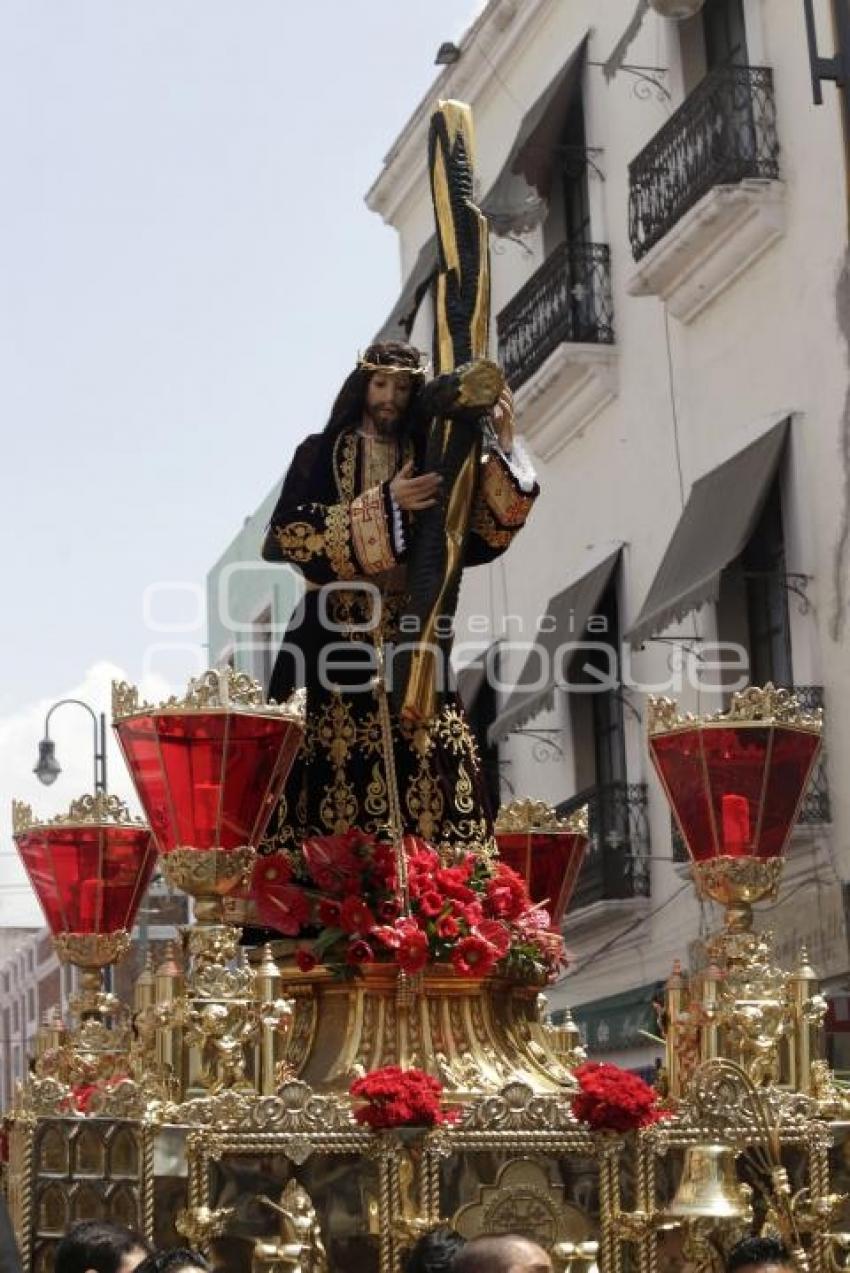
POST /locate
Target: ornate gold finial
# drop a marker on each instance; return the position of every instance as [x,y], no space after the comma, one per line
[97,810]
[755,705]
[216,689]
[22,818]
[537,815]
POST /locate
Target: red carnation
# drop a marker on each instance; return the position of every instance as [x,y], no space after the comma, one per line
[399,1098]
[613,1100]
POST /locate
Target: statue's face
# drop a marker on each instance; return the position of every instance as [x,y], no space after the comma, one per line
[387,399]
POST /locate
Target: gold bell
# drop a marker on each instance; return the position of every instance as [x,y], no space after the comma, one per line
[709,1185]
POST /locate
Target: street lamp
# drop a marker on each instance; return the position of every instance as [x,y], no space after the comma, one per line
[47,769]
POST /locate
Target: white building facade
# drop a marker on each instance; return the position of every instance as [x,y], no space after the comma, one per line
[671,303]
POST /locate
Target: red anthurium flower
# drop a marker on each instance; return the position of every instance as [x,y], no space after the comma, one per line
[285,908]
[359,952]
[494,932]
[474,957]
[430,904]
[305,959]
[412,951]
[355,916]
[328,913]
[447,927]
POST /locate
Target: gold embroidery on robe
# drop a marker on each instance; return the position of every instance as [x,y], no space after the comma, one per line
[338,542]
[509,505]
[483,523]
[370,533]
[300,541]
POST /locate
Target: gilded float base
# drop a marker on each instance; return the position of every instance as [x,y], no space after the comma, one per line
[475,1036]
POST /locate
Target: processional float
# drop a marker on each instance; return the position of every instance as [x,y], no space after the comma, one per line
[301,1107]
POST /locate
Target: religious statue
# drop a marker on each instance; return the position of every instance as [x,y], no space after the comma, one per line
[299,1248]
[411,481]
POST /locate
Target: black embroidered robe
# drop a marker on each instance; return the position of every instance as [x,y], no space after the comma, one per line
[336,523]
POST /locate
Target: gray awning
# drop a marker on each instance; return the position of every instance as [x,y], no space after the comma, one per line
[399,323]
[718,519]
[518,198]
[470,678]
[566,619]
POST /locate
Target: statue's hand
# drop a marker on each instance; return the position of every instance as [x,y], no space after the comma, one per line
[503,420]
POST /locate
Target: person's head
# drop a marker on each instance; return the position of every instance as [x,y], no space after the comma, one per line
[98,1246]
[434,1252]
[502,1253]
[768,1255]
[380,390]
[179,1260]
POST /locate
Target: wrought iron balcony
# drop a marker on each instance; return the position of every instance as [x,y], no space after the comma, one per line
[815,808]
[567,299]
[616,865]
[724,132]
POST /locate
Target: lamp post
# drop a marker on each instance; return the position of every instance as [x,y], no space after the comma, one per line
[47,769]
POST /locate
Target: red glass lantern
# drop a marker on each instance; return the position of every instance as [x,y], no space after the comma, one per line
[545,850]
[735,782]
[90,869]
[209,770]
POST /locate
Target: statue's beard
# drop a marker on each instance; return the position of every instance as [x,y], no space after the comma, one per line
[385,422]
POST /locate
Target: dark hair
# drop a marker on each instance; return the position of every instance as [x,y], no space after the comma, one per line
[434,1252]
[490,1253]
[758,1251]
[347,409]
[180,1257]
[98,1245]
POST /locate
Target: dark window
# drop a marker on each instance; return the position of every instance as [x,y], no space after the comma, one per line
[725,33]
[573,150]
[607,704]
[753,604]
[763,564]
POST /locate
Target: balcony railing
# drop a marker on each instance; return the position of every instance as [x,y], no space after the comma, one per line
[567,299]
[724,132]
[616,865]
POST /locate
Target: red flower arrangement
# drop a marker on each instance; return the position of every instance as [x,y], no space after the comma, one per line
[399,1098]
[475,915]
[613,1100]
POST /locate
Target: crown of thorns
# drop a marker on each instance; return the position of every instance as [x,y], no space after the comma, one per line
[393,363]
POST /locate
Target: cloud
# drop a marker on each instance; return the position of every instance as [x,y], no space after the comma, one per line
[72,730]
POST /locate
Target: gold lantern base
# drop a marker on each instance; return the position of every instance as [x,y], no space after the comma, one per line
[473,1035]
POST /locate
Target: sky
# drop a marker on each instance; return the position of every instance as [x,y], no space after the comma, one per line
[187,270]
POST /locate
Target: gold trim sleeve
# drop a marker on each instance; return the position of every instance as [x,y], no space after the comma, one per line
[507,505]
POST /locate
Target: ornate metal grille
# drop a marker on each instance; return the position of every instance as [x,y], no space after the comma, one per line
[616,865]
[815,808]
[567,299]
[724,132]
